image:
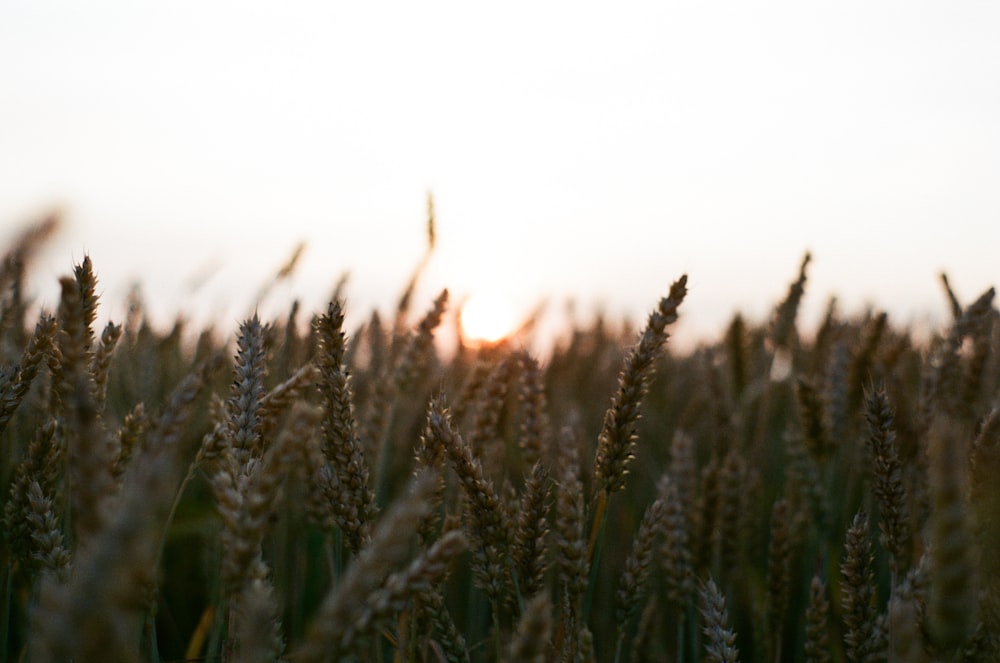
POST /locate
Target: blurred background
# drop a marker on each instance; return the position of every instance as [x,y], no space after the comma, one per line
[575,151]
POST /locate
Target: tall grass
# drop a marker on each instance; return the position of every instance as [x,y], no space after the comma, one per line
[310,494]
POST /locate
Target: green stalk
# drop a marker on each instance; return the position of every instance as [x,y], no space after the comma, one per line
[517,592]
[496,630]
[150,635]
[173,511]
[149,621]
[8,590]
[680,635]
[217,640]
[594,547]
[618,645]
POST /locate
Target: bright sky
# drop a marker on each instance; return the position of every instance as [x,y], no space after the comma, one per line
[593,150]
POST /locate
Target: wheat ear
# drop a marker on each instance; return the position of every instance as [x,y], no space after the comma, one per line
[617,441]
[951,601]
[15,387]
[858,593]
[817,630]
[530,644]
[632,584]
[340,437]
[894,524]
[487,522]
[720,643]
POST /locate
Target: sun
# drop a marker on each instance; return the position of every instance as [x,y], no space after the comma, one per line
[486,318]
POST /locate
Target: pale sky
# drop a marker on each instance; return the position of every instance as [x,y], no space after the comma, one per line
[592,150]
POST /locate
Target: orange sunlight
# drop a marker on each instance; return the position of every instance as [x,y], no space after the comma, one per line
[487,318]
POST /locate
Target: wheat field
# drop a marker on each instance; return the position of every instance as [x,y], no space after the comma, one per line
[300,492]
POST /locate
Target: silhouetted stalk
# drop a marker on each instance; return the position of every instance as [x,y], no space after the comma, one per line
[594,547]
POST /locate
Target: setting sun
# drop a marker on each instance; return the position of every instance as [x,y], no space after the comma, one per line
[487,318]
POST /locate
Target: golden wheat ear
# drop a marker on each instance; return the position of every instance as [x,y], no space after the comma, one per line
[572,565]
[675,552]
[531,639]
[858,590]
[487,523]
[97,613]
[243,432]
[783,331]
[529,550]
[617,441]
[952,602]
[89,456]
[635,577]
[817,629]
[894,516]
[15,381]
[342,445]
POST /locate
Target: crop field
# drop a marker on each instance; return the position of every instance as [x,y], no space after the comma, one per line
[293,490]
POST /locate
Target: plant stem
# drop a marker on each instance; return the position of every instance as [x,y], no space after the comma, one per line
[594,548]
[5,608]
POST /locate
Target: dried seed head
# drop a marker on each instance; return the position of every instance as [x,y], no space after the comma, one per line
[617,440]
